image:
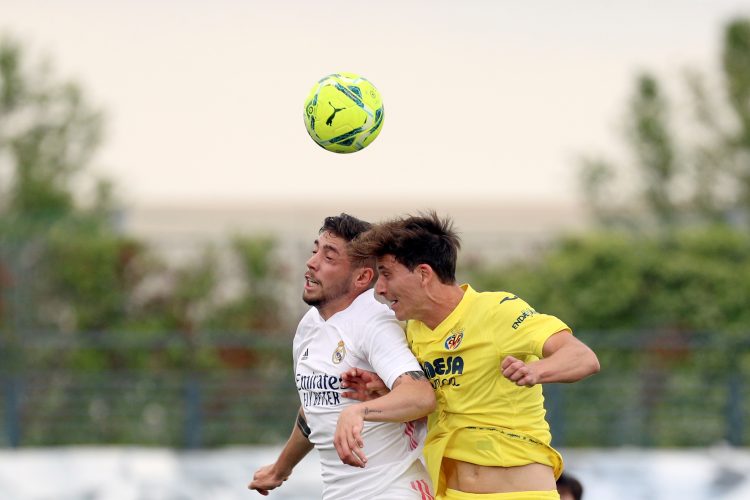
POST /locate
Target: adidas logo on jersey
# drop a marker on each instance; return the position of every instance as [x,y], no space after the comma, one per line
[304,355]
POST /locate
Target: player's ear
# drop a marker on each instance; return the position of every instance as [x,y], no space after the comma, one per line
[425,273]
[364,277]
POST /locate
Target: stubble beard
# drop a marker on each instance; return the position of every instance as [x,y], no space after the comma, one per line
[320,300]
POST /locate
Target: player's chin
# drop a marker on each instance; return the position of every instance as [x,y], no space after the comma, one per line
[398,311]
[311,297]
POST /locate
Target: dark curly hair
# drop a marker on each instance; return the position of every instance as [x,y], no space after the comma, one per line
[349,228]
[414,240]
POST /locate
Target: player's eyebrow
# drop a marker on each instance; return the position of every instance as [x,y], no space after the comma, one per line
[331,248]
[326,248]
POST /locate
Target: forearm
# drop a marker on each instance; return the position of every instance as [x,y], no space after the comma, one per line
[405,402]
[295,449]
[272,476]
[570,363]
[411,398]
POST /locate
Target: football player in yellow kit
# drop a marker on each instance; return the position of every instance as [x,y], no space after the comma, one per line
[485,353]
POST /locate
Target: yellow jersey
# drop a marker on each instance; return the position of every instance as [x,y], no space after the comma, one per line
[482,417]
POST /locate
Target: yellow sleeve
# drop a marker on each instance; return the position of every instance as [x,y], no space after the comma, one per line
[522,330]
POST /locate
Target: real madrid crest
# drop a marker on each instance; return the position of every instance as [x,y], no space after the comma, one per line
[339,353]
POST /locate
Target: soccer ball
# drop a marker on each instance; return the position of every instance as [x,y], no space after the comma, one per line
[343,113]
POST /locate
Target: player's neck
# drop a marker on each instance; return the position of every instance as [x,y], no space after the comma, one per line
[337,305]
[442,301]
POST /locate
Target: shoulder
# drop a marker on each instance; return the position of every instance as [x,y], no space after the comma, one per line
[310,323]
[500,307]
[499,303]
[366,319]
[310,319]
[366,308]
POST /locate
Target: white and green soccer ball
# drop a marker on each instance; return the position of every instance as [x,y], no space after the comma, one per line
[343,112]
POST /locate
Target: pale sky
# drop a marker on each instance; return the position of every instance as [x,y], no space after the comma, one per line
[484,100]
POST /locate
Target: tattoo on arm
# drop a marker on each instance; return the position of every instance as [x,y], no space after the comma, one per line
[368,411]
[302,424]
[416,375]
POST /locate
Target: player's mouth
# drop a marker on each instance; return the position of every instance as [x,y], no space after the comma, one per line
[310,282]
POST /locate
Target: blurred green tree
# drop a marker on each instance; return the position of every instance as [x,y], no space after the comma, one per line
[680,257]
[65,265]
[698,171]
[661,284]
[123,341]
[48,135]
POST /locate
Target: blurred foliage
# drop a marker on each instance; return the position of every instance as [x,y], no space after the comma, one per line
[258,307]
[690,279]
[677,255]
[65,265]
[691,163]
[137,398]
[103,339]
[667,316]
[660,286]
[658,388]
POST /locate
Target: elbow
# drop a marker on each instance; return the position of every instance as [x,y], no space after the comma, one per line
[432,406]
[587,364]
[427,402]
[594,366]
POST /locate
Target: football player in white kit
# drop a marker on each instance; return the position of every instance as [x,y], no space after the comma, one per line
[347,327]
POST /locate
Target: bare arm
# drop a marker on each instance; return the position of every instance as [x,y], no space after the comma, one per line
[362,385]
[566,359]
[297,447]
[412,397]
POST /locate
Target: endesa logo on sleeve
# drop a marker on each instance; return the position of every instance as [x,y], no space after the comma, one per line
[526,313]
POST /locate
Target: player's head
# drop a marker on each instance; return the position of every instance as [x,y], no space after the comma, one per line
[334,276]
[413,253]
[414,240]
[569,487]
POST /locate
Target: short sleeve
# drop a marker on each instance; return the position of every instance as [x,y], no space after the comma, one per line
[296,344]
[387,351]
[523,330]
[303,330]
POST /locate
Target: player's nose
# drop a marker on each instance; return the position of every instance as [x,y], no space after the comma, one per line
[315,259]
[311,262]
[380,287]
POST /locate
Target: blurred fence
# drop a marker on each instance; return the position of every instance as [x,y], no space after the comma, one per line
[655,389]
[169,392]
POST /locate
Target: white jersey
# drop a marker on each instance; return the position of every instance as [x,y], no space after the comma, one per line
[365,335]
